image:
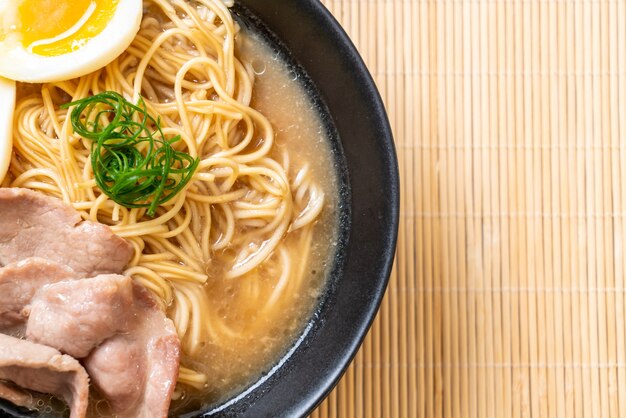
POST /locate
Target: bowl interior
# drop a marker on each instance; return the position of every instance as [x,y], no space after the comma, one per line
[340,84]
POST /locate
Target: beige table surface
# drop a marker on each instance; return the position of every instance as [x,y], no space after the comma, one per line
[508,295]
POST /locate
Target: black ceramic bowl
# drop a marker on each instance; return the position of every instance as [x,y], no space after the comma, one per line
[338,81]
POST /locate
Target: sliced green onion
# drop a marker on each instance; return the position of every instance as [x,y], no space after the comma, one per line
[132,161]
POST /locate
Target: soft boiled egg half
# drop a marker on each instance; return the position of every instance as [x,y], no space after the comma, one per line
[52,40]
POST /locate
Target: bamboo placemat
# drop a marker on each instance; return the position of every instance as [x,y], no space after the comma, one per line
[508,294]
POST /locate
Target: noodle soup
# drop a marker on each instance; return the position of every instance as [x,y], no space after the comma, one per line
[238,259]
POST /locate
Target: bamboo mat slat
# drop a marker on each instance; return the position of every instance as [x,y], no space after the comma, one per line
[507,298]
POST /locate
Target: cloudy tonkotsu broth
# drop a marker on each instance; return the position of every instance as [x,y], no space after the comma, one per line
[264,335]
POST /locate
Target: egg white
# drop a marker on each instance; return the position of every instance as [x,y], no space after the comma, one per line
[17,63]
[7,106]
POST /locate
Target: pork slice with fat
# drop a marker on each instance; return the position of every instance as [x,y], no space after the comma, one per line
[18,283]
[76,316]
[36,225]
[134,347]
[42,369]
[118,368]
[137,371]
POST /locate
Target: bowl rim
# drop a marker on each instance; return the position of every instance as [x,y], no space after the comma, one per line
[388,256]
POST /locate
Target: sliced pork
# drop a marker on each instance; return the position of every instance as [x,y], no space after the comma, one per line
[42,369]
[137,371]
[18,283]
[134,347]
[76,316]
[36,225]
[59,288]
[118,369]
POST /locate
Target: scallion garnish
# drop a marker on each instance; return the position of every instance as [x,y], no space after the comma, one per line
[133,163]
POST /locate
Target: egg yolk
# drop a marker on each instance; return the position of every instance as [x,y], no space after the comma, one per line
[57,27]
